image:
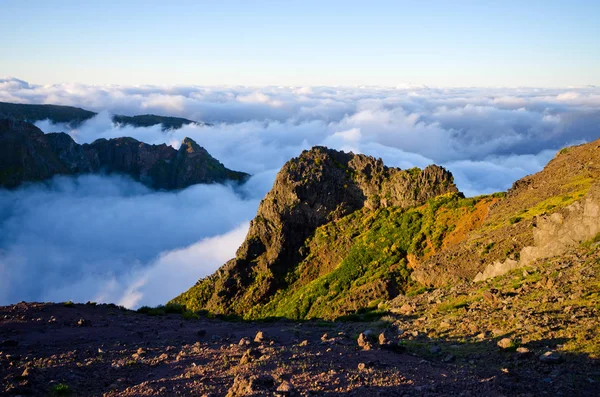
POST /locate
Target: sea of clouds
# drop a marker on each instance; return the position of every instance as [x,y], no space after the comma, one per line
[111,239]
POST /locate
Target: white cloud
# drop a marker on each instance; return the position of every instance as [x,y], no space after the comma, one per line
[74,237]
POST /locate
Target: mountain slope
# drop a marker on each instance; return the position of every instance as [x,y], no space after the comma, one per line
[340,234]
[511,223]
[27,154]
[318,187]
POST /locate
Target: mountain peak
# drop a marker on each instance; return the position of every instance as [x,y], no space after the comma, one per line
[190,146]
[319,186]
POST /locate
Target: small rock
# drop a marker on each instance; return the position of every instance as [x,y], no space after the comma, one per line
[550,357]
[362,366]
[249,356]
[25,374]
[497,332]
[261,337]
[363,342]
[141,352]
[383,339]
[523,350]
[435,349]
[506,343]
[244,385]
[406,309]
[303,343]
[244,342]
[82,322]
[284,389]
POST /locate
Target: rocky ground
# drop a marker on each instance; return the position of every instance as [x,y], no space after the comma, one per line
[89,350]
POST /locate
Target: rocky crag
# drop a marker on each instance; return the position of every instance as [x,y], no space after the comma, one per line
[28,155]
[321,186]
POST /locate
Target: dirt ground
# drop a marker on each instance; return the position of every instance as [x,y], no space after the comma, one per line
[104,350]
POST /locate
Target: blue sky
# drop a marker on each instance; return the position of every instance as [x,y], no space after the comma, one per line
[436,43]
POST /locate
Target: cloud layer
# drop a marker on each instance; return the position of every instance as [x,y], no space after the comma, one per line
[146,246]
[111,239]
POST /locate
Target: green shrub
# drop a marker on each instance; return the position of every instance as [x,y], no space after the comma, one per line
[152,311]
[515,219]
[189,315]
[174,308]
[61,389]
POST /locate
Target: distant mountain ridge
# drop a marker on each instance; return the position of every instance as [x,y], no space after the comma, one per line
[74,116]
[27,154]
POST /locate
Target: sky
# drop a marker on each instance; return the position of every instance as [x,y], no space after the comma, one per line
[255,43]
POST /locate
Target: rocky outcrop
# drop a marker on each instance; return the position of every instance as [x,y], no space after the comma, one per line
[27,154]
[555,234]
[319,186]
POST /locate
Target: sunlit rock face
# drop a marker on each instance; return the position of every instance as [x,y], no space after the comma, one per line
[319,186]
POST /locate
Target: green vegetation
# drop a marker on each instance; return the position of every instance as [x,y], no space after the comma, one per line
[515,219]
[592,242]
[372,247]
[170,308]
[455,304]
[564,150]
[61,389]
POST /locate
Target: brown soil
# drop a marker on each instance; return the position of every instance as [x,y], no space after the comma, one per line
[90,350]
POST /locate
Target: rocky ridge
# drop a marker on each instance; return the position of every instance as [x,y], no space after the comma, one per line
[27,154]
[318,187]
